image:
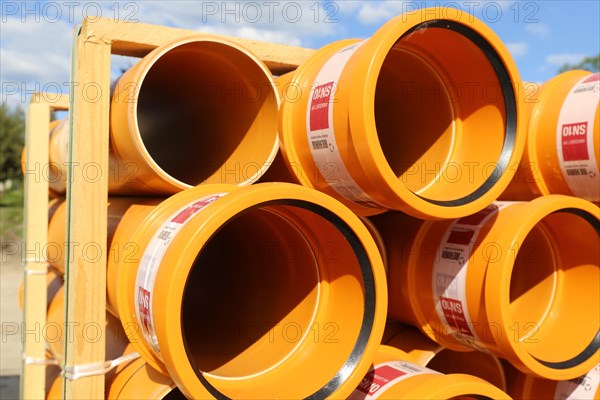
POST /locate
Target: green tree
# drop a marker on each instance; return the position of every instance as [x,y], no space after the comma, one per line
[591,64]
[12,134]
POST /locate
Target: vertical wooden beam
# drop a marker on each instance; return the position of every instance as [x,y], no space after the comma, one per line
[86,209]
[35,238]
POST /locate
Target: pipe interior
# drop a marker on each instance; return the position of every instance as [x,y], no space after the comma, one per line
[207,112]
[555,287]
[274,283]
[174,394]
[439,113]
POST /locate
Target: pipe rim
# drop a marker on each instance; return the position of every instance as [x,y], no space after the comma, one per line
[140,73]
[497,290]
[356,362]
[361,114]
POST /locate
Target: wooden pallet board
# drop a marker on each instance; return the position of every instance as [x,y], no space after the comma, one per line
[137,39]
[85,304]
[35,239]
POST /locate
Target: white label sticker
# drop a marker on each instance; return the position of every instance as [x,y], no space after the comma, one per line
[150,263]
[385,375]
[575,139]
[450,274]
[582,388]
[320,132]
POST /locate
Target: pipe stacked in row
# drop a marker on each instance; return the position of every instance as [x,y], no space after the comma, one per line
[279,290]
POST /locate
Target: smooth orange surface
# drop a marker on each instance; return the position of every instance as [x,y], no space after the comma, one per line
[532,283]
[407,126]
[274,290]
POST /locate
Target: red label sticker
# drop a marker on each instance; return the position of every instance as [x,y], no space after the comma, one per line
[455,315]
[184,215]
[378,378]
[593,78]
[574,141]
[144,307]
[462,237]
[319,107]
[475,219]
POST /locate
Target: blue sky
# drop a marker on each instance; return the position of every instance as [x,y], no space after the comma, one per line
[35,37]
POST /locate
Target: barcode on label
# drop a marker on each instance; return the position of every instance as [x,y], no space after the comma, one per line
[576,171]
[320,144]
[451,255]
[164,235]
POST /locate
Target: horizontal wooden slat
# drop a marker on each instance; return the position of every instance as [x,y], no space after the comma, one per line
[137,39]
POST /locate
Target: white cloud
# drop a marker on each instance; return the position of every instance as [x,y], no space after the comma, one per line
[518,49]
[35,48]
[34,56]
[564,58]
[249,32]
[377,12]
[298,21]
[539,29]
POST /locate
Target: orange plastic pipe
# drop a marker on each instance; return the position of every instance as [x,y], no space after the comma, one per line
[395,121]
[431,355]
[395,375]
[130,380]
[54,282]
[120,251]
[117,206]
[55,173]
[196,110]
[134,380]
[562,154]
[586,387]
[520,280]
[111,333]
[274,290]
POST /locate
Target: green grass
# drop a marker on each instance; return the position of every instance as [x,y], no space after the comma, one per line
[11,215]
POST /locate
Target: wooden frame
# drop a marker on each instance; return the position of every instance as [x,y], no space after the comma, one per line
[36,238]
[85,279]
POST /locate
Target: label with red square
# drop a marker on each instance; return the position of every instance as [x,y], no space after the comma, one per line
[574,141]
[319,106]
[575,137]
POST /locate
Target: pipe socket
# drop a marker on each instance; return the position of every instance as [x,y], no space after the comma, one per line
[393,122]
[273,290]
[395,375]
[520,280]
